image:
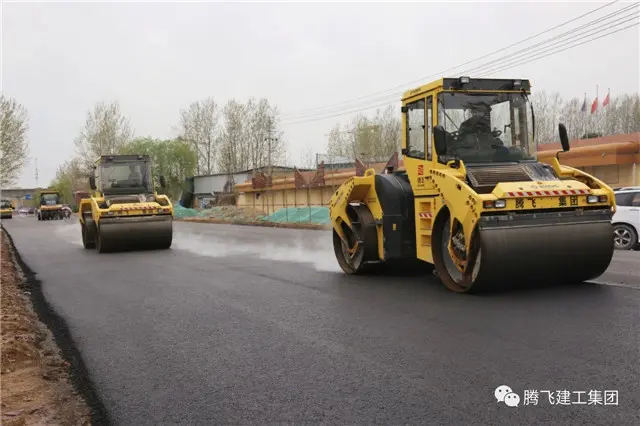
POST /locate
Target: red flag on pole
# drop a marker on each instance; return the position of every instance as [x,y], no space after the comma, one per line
[594,105]
[606,100]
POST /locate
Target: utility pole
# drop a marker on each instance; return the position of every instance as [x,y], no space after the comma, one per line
[36,172]
[269,139]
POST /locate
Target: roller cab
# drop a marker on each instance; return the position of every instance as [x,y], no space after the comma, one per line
[6,209]
[472,200]
[50,206]
[125,212]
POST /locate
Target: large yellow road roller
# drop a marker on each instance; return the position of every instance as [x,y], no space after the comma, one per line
[472,200]
[125,212]
[6,209]
[50,206]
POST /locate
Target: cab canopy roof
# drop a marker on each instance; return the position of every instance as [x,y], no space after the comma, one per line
[467,83]
[122,158]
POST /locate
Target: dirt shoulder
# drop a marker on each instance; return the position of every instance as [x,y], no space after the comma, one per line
[35,386]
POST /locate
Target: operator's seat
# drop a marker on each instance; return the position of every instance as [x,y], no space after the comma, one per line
[134,175]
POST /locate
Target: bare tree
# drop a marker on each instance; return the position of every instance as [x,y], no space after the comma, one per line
[620,116]
[308,159]
[389,133]
[547,107]
[199,127]
[105,132]
[257,131]
[276,144]
[368,139]
[251,137]
[230,159]
[13,140]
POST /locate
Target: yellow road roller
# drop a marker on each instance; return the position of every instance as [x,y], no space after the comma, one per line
[125,212]
[471,199]
[50,205]
[6,209]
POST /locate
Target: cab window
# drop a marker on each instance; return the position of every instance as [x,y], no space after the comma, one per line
[415,124]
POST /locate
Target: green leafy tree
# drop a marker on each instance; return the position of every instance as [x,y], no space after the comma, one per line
[70,178]
[173,159]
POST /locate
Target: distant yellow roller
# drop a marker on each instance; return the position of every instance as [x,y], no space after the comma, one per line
[472,200]
[125,212]
[50,207]
[6,209]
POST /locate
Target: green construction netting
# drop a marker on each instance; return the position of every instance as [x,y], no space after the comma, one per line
[181,212]
[319,215]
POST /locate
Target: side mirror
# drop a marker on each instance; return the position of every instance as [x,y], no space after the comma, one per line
[92,182]
[163,183]
[564,139]
[440,140]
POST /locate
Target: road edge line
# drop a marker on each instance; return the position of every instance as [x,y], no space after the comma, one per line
[78,372]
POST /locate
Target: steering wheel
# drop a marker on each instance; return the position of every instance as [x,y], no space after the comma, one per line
[496,133]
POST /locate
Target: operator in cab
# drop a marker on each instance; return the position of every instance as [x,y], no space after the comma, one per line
[480,120]
[476,131]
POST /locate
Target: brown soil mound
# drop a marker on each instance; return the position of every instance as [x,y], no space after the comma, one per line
[35,387]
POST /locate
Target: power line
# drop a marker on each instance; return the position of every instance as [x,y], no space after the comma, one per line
[528,50]
[303,112]
[498,70]
[390,98]
[562,50]
[533,55]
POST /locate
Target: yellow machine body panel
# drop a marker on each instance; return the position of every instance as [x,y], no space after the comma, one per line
[472,199]
[6,209]
[355,189]
[93,205]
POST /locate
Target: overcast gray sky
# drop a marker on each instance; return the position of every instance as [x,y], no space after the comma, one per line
[155,58]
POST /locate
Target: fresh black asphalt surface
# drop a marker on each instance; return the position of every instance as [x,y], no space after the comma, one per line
[246,325]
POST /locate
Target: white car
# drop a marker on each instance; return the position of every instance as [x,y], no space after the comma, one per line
[626,220]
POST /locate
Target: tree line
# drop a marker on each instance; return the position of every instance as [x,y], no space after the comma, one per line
[238,136]
[620,116]
[211,139]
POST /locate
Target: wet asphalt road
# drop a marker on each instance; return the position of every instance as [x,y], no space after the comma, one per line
[238,325]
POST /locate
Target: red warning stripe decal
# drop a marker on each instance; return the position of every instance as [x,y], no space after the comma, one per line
[548,193]
[425,215]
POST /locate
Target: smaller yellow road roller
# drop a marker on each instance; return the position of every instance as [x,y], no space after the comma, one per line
[125,212]
[6,209]
[50,207]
